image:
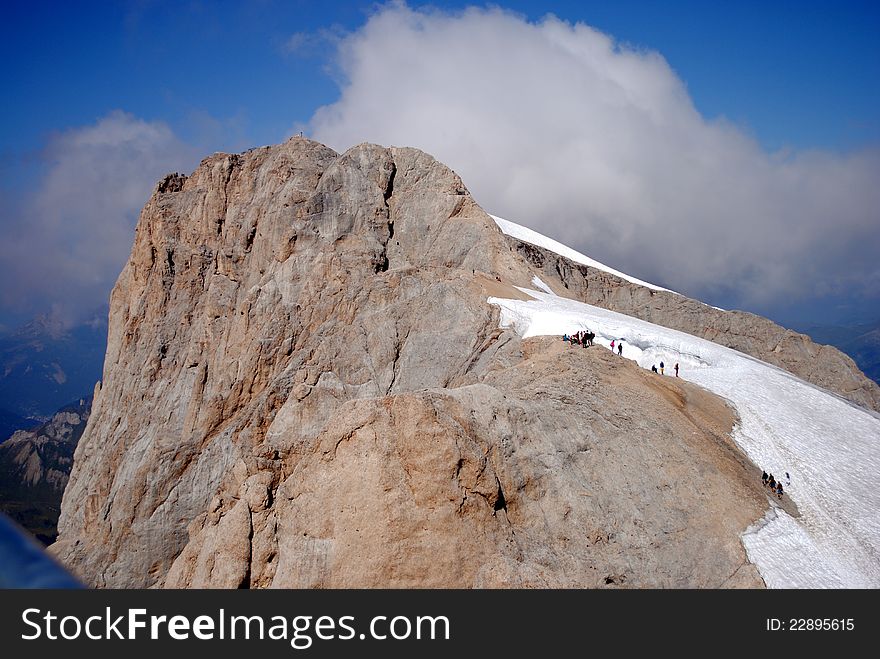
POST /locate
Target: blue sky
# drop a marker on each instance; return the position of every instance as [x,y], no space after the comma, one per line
[791,76]
[794,73]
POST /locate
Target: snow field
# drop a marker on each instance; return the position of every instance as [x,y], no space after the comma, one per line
[829,446]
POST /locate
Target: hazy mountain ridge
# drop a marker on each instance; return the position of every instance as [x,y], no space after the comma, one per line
[35,466]
[10,422]
[45,364]
[861,341]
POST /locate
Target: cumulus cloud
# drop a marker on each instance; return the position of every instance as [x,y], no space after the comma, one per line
[66,241]
[556,126]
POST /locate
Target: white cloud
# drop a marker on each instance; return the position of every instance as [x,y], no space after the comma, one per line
[68,242]
[558,127]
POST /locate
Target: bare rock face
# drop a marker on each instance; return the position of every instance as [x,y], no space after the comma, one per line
[508,482]
[759,337]
[305,386]
[263,294]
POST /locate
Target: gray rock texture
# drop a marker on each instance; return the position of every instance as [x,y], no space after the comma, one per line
[306,387]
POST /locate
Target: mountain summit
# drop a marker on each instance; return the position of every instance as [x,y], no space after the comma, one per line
[316,377]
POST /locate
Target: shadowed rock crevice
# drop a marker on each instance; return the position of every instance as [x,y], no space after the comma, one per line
[500,501]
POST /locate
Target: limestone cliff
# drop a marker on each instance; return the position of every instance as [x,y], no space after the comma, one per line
[305,386]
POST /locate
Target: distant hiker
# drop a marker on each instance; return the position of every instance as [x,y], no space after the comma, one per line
[589,336]
[654,368]
[779,489]
[676,369]
[764,477]
[612,345]
[787,479]
[771,482]
[661,368]
[565,337]
[620,348]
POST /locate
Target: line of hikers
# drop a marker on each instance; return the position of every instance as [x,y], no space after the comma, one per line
[662,368]
[773,484]
[581,338]
[585,338]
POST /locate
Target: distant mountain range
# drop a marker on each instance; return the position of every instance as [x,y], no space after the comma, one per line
[861,341]
[44,365]
[35,466]
[10,422]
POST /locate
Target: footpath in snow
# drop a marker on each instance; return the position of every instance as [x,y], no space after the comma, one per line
[830,447]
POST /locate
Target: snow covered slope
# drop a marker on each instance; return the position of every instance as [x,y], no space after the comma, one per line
[528,236]
[830,447]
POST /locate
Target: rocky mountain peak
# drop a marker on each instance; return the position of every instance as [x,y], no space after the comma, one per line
[305,386]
